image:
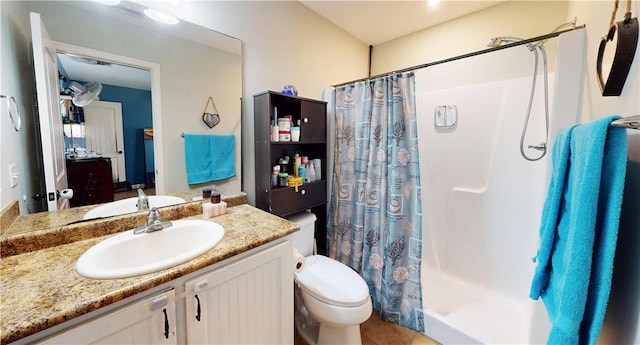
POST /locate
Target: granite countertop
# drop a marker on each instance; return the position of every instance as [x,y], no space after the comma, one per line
[47,220]
[40,289]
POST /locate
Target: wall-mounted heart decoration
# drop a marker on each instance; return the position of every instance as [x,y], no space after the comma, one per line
[210,118]
[627,34]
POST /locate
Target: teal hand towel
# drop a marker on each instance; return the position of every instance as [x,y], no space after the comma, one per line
[209,157]
[579,230]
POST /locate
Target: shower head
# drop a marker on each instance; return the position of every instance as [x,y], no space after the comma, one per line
[498,41]
[502,40]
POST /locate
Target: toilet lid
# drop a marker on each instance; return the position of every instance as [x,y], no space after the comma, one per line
[332,282]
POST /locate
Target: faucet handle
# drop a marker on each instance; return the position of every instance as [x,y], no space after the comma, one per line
[153,216]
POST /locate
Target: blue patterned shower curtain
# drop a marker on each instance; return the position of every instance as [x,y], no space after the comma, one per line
[375,213]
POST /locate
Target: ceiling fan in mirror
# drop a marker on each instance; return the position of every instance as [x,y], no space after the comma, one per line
[83,95]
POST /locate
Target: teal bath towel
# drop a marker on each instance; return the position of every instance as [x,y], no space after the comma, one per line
[579,230]
[209,157]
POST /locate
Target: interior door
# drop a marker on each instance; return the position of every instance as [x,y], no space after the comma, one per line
[46,73]
[103,133]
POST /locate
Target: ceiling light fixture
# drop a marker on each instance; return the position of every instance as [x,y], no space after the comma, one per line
[433,2]
[160,17]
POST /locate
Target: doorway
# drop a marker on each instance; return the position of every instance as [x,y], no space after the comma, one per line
[140,102]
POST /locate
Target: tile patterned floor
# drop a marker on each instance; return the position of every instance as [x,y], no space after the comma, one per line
[376,331]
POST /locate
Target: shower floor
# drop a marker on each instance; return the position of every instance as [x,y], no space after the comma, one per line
[460,312]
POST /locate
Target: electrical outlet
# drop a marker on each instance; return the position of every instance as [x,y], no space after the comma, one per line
[14,175]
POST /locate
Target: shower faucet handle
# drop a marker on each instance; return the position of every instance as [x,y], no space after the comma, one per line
[539,147]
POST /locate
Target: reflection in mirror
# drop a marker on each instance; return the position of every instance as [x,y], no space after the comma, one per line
[193,63]
[107,155]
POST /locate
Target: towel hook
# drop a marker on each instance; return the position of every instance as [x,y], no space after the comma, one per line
[14,113]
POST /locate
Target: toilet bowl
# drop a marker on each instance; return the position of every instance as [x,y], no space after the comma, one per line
[331,299]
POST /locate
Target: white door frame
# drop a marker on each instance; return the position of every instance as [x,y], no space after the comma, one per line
[46,73]
[156,104]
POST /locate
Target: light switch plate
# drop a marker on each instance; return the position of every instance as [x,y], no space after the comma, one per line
[13,175]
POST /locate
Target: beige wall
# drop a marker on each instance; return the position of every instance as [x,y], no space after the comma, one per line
[283,43]
[18,81]
[470,33]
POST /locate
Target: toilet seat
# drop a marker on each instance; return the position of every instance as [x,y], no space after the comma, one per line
[332,282]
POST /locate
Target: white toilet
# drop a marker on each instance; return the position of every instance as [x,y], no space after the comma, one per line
[331,299]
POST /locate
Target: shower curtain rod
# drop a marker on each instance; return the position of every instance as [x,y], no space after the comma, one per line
[464,56]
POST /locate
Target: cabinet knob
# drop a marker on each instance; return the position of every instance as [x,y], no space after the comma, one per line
[303,192]
[306,120]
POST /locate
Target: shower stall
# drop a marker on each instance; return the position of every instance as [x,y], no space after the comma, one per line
[481,199]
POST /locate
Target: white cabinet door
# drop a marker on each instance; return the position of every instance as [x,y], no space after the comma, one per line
[150,321]
[247,302]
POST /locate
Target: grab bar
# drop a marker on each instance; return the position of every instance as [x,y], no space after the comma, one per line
[632,122]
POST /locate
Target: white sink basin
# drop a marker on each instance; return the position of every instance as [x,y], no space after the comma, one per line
[130,205]
[127,255]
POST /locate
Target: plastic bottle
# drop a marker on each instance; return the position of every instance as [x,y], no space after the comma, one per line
[311,172]
[317,164]
[296,163]
[302,172]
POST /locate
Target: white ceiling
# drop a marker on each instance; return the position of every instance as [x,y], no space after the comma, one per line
[375,22]
[132,13]
[111,74]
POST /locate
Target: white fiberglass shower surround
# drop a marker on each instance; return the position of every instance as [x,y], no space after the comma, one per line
[481,200]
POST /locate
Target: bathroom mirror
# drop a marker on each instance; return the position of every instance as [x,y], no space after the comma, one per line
[194,62]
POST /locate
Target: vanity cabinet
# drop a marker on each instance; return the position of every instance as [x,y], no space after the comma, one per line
[247,302]
[150,321]
[312,117]
[246,299]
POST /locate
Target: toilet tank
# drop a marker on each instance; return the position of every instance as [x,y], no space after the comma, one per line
[302,240]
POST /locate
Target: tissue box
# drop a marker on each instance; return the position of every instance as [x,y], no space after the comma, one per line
[212,210]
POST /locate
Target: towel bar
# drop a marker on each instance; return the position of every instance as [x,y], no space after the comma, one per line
[627,122]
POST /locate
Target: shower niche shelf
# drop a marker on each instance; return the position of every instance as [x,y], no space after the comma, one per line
[311,114]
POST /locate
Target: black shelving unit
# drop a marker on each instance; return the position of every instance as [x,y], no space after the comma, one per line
[285,201]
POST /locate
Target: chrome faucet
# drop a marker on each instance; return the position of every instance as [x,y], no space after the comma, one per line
[143,201]
[153,223]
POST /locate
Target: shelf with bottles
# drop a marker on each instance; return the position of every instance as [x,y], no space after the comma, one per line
[285,167]
[288,113]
